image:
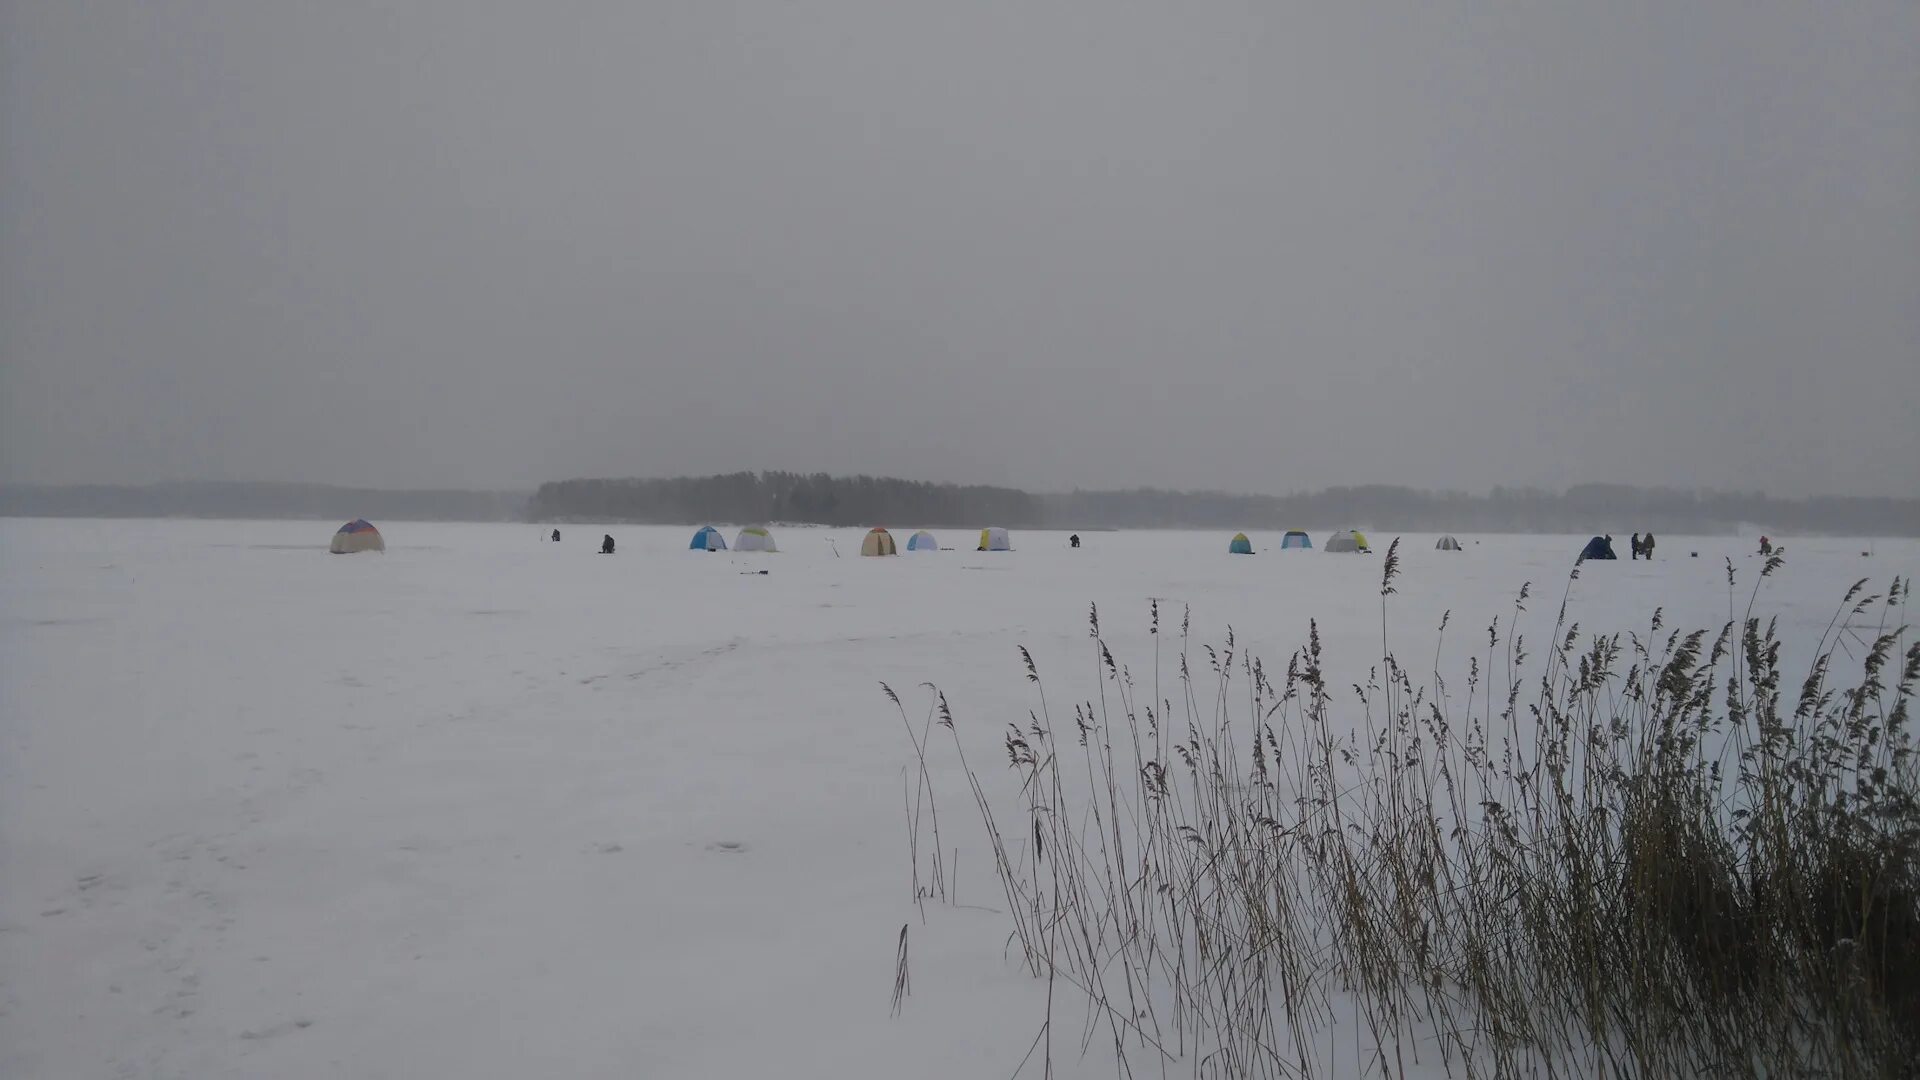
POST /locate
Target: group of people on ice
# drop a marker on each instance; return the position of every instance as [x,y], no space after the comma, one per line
[1601,547]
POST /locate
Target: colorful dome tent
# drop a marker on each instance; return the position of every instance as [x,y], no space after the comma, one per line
[357,535]
[1353,540]
[1240,545]
[878,542]
[922,541]
[1600,547]
[1296,539]
[754,538]
[1446,543]
[995,539]
[708,539]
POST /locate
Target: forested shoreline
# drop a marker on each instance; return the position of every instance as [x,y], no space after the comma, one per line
[868,500]
[818,498]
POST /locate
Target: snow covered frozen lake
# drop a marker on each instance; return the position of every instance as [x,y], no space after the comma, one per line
[488,806]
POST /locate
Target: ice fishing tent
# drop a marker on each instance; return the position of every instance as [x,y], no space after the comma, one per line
[878,542]
[995,540]
[1598,548]
[1352,540]
[1240,545]
[708,539]
[754,538]
[1296,539]
[922,541]
[357,535]
[1446,543]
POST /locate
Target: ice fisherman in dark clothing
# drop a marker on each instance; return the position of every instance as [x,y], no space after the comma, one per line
[1074,540]
[1635,543]
[1646,546]
[556,536]
[606,545]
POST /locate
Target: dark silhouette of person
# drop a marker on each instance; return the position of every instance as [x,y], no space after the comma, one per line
[1766,546]
[1646,546]
[1635,543]
[556,536]
[1074,540]
[606,545]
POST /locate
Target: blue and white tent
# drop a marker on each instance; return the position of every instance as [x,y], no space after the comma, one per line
[922,541]
[708,539]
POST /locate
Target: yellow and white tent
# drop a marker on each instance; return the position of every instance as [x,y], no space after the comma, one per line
[1353,540]
[754,538]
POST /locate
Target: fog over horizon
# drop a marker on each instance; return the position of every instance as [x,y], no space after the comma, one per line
[1049,245]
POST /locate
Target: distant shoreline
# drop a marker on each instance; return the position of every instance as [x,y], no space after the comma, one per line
[848,501]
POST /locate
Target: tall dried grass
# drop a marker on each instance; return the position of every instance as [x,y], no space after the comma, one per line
[1645,864]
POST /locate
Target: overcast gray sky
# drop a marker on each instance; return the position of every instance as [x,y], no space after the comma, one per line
[1255,246]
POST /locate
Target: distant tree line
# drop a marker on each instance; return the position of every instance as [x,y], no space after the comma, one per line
[1584,508]
[784,496]
[868,500]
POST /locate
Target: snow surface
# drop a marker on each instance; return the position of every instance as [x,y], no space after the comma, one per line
[488,806]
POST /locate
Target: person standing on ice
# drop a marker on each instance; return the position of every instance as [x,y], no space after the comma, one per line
[1635,545]
[1646,546]
[1074,540]
[606,545]
[556,536]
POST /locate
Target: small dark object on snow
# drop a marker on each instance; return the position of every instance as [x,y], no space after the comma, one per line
[1074,540]
[606,545]
[556,536]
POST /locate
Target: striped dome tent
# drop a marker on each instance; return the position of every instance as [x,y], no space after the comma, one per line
[1446,543]
[1240,545]
[1296,539]
[878,542]
[357,535]
[922,541]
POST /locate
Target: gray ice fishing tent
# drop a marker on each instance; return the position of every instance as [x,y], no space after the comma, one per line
[1600,547]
